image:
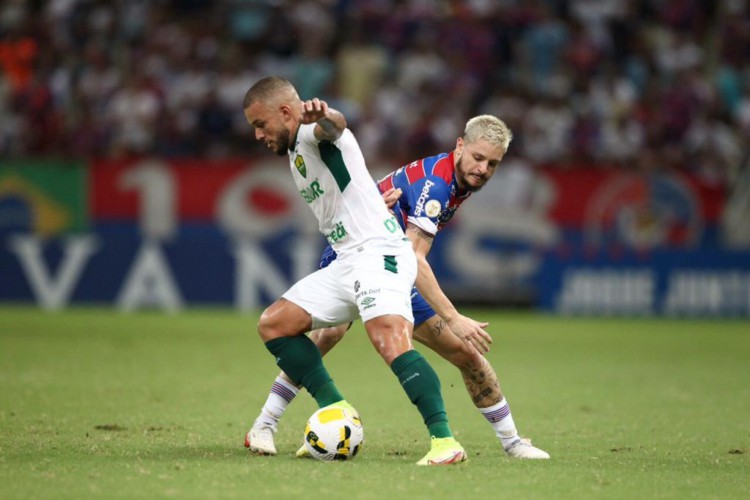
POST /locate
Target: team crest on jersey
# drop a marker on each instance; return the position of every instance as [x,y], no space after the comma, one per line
[432,208]
[299,162]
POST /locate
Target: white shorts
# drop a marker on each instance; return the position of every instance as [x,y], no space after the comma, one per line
[368,284]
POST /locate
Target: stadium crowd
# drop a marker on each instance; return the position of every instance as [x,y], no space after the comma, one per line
[643,84]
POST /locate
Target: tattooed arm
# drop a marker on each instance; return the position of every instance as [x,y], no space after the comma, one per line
[464,327]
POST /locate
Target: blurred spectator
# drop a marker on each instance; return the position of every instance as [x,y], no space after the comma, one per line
[17,56]
[98,79]
[41,123]
[214,124]
[547,130]
[132,114]
[543,45]
[361,64]
[742,112]
[420,64]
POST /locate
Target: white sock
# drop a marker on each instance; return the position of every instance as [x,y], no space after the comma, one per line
[281,394]
[501,420]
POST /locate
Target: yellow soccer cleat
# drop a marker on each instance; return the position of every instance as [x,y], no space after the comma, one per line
[302,452]
[444,451]
[344,404]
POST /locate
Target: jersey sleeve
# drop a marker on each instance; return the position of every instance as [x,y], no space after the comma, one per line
[426,199]
[306,134]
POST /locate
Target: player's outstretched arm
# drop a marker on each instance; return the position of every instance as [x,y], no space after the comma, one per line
[467,329]
[330,123]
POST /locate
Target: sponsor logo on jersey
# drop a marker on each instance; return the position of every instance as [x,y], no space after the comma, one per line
[312,192]
[299,162]
[338,233]
[419,207]
[432,208]
[391,224]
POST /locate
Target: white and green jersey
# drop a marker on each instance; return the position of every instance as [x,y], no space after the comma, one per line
[333,179]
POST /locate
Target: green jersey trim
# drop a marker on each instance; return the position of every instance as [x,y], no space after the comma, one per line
[331,156]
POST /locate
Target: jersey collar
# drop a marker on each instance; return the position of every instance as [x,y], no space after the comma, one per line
[293,146]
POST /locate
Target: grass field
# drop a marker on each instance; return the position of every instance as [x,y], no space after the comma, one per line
[95,403]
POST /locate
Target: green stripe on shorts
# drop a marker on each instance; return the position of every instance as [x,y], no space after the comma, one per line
[391,264]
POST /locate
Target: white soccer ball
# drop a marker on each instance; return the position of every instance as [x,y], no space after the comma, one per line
[333,434]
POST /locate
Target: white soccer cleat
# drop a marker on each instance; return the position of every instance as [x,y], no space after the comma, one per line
[259,439]
[523,449]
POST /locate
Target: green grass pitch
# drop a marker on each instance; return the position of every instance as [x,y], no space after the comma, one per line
[100,404]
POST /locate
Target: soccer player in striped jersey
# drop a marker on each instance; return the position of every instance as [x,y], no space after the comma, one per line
[373,275]
[424,196]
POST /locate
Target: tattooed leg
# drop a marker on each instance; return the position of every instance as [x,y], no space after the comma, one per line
[481,382]
[479,377]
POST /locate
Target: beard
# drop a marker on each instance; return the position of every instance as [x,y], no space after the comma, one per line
[283,143]
[463,179]
[472,189]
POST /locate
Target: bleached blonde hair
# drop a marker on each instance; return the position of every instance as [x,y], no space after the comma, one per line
[489,128]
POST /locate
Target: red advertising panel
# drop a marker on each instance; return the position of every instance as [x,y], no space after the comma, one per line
[581,192]
[119,186]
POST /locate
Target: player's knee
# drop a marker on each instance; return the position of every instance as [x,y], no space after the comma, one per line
[390,350]
[387,349]
[267,327]
[464,355]
[389,355]
[327,338]
[390,335]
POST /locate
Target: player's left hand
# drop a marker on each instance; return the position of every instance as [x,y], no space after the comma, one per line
[391,196]
[313,110]
[471,332]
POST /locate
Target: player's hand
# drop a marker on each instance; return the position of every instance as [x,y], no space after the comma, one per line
[472,332]
[313,110]
[391,196]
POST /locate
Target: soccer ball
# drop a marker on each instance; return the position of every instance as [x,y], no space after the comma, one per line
[333,434]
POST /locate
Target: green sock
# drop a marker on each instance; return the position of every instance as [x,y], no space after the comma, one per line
[300,359]
[422,385]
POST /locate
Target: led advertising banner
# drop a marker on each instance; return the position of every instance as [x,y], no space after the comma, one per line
[159,234]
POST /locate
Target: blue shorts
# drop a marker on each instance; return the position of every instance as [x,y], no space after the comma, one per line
[419,307]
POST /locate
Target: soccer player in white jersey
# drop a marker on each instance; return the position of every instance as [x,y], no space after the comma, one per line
[375,270]
[425,194]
